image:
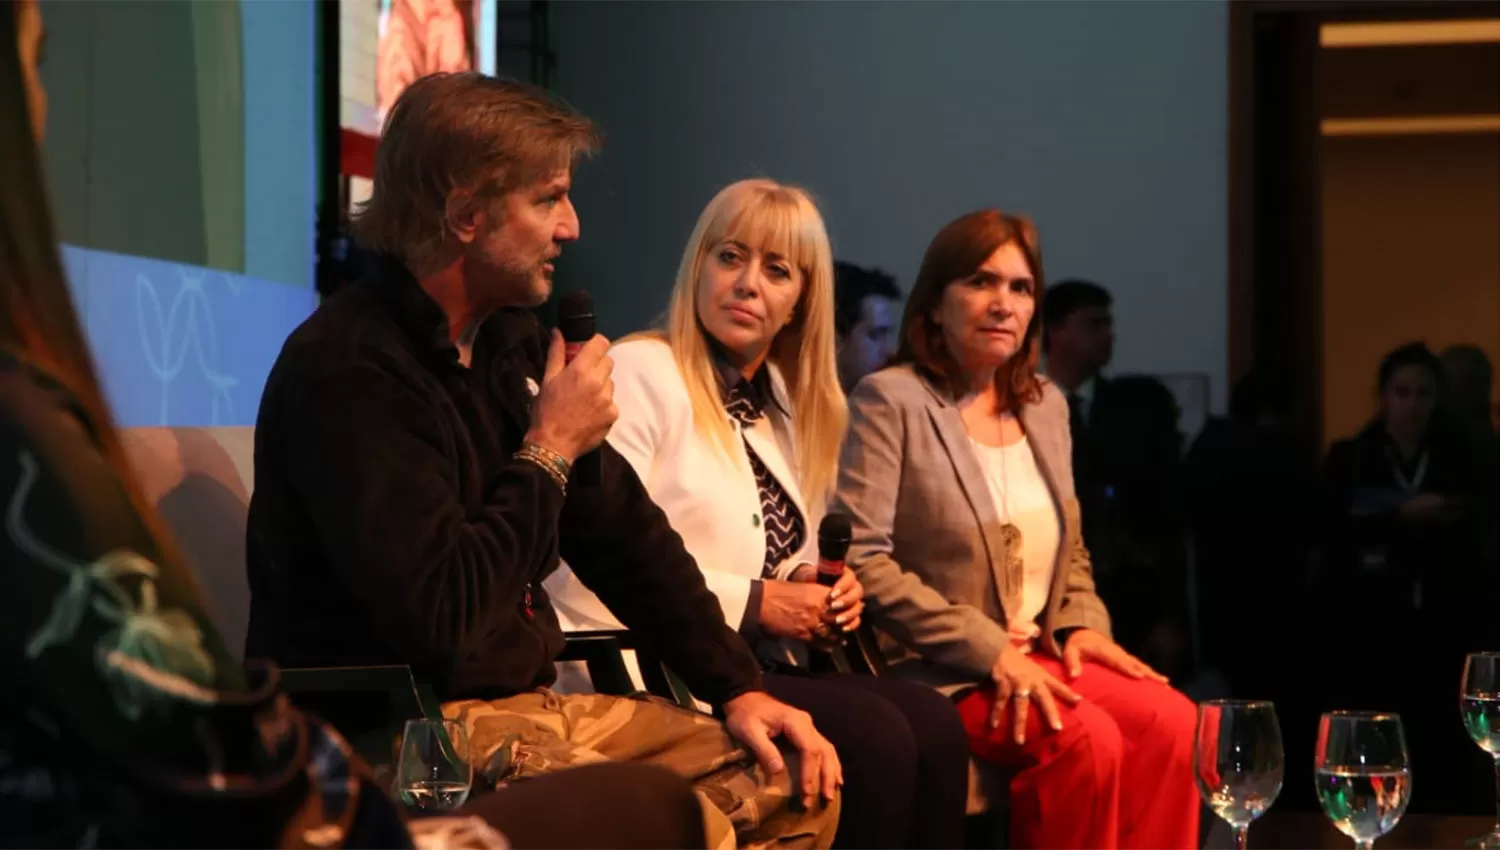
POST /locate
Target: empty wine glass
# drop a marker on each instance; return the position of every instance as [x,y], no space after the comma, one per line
[1238,760]
[433,772]
[1480,703]
[1363,773]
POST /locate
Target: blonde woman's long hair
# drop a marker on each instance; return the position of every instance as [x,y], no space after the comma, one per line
[773,218]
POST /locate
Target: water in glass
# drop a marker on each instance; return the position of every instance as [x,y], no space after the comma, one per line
[1363,773]
[433,772]
[1238,760]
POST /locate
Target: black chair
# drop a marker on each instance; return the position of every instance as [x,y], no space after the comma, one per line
[603,654]
[368,705]
[859,654]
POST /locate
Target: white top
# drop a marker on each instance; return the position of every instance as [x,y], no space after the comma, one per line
[1022,498]
[711,499]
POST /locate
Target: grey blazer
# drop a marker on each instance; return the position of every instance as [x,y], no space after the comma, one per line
[927,543]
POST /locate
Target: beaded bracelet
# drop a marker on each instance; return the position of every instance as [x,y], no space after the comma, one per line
[552,463]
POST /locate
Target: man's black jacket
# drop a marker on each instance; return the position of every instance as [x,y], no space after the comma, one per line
[390,523]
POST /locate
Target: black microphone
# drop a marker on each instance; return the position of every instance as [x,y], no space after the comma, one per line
[575,320]
[834,535]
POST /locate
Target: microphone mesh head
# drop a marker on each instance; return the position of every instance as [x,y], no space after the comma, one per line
[835,526]
[575,316]
[834,535]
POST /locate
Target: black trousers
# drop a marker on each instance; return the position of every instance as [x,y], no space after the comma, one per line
[904,752]
[625,806]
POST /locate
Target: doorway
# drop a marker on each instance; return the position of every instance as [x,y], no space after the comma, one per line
[1364,207]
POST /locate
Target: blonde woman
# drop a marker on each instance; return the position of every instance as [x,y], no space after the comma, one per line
[732,416]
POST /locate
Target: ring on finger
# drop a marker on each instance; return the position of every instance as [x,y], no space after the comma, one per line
[1022,694]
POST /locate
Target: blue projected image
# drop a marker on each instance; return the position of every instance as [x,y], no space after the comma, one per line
[178,344]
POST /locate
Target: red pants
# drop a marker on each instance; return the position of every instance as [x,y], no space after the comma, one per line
[1118,775]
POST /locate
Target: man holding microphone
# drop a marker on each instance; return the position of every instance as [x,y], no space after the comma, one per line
[414,482]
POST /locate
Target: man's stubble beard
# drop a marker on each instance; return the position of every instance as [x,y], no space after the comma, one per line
[541,288]
[516,288]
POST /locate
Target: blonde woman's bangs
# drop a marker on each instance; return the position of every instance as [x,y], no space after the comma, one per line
[768,218]
[772,221]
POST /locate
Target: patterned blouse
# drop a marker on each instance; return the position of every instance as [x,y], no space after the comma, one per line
[745,399]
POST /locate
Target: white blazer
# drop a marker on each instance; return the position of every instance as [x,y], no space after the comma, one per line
[711,500]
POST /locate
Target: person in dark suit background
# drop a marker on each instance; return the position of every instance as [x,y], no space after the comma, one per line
[1250,500]
[1126,451]
[1468,378]
[1246,474]
[866,310]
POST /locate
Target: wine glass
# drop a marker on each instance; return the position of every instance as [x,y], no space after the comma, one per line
[1480,703]
[1238,760]
[433,772]
[1362,772]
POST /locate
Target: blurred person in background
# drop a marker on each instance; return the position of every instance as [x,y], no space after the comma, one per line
[1401,490]
[1403,591]
[124,719]
[1468,386]
[866,310]
[1250,491]
[1247,473]
[1126,464]
[1468,380]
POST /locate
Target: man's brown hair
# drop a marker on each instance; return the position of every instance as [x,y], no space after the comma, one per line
[464,131]
[955,254]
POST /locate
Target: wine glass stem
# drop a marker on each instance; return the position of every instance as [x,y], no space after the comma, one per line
[1497,793]
[1241,835]
[1364,845]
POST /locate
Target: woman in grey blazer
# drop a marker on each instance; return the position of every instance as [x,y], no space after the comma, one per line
[958,478]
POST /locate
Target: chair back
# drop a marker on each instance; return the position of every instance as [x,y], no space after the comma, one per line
[200,480]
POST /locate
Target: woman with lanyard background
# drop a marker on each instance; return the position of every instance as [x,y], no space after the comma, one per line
[1404,595]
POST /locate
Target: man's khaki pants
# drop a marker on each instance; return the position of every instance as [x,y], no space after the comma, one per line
[541,732]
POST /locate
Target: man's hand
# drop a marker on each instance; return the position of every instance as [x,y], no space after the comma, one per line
[576,406]
[844,612]
[755,718]
[1089,645]
[792,609]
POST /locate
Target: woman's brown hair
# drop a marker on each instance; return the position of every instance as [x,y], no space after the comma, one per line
[955,254]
